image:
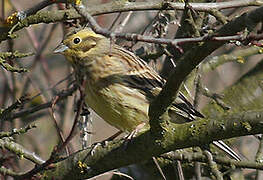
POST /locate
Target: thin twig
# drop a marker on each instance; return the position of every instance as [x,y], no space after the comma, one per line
[213,166]
[65,143]
[17,131]
[158,167]
[136,37]
[9,172]
[62,94]
[259,158]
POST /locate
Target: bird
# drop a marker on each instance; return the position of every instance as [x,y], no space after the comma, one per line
[120,86]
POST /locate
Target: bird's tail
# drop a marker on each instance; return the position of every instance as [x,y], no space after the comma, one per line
[230,152]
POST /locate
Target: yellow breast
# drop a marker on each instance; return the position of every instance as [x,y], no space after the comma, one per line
[120,106]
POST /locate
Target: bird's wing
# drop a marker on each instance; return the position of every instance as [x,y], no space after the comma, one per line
[136,73]
[148,82]
[141,76]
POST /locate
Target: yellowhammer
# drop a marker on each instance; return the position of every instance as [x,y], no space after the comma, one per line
[119,85]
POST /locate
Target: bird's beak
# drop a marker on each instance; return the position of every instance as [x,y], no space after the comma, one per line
[60,48]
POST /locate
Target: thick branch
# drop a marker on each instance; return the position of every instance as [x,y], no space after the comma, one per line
[191,59]
[83,165]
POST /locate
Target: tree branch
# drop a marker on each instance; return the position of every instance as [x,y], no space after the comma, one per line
[187,63]
[118,154]
[17,131]
[20,150]
[112,7]
[61,95]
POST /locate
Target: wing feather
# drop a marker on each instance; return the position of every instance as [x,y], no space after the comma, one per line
[141,76]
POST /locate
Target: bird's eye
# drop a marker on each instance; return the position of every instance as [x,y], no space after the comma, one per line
[76,40]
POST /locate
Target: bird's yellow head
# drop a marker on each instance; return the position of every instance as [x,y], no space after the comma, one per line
[81,44]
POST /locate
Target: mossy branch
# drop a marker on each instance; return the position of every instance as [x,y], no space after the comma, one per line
[235,56]
[112,7]
[244,95]
[15,54]
[17,131]
[19,150]
[190,60]
[200,157]
[118,154]
[7,66]
[10,68]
